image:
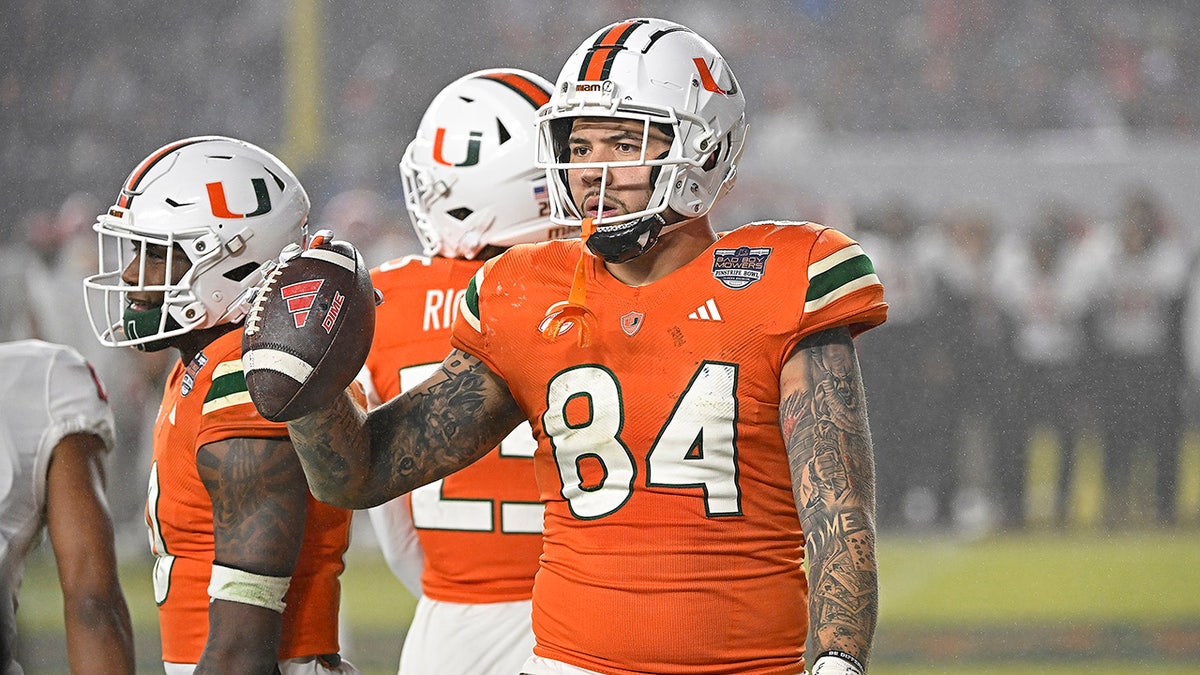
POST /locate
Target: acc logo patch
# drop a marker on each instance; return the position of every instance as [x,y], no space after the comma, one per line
[737,268]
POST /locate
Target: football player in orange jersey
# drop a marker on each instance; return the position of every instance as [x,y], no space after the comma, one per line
[247,562]
[466,545]
[696,398]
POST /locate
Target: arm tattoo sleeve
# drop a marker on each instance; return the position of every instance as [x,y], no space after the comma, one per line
[824,422]
[259,503]
[357,460]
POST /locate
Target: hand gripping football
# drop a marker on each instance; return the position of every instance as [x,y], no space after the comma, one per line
[309,330]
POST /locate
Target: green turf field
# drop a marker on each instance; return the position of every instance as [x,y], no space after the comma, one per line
[1035,603]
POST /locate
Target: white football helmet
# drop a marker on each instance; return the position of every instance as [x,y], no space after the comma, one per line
[662,74]
[230,206]
[469,177]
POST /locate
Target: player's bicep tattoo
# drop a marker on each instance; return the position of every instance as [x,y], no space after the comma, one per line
[824,422]
[259,502]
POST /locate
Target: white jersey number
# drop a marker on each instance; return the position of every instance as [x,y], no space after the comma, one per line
[695,448]
[163,561]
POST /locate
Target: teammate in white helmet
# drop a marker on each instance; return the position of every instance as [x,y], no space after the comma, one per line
[246,561]
[467,545]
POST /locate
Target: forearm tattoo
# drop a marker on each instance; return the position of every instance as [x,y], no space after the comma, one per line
[324,442]
[824,422]
[438,427]
[443,425]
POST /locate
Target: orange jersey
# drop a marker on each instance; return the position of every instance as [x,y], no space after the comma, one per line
[672,542]
[203,402]
[480,528]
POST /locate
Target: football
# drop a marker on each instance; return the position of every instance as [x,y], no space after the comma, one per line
[308,331]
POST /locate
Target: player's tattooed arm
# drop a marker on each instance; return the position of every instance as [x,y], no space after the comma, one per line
[357,460]
[824,421]
[258,502]
[259,507]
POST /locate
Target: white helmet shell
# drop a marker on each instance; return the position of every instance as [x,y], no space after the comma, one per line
[660,73]
[469,176]
[230,206]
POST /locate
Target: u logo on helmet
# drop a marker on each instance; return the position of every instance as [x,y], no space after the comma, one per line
[708,81]
[220,208]
[473,143]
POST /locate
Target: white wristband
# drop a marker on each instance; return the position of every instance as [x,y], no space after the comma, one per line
[834,665]
[248,588]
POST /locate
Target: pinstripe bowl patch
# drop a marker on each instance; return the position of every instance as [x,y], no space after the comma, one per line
[737,268]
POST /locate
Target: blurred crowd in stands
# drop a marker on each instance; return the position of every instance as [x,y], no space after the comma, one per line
[85,94]
[1082,327]
[1079,332]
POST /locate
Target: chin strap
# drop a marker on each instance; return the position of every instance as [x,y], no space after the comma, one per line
[573,311]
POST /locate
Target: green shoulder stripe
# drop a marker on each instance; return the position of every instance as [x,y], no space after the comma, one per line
[228,387]
[839,275]
[470,302]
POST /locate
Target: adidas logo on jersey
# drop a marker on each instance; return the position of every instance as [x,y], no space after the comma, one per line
[706,312]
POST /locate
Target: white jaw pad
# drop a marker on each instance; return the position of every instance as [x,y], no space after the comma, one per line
[280,362]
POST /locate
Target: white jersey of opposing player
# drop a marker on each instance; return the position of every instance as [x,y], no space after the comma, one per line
[47,392]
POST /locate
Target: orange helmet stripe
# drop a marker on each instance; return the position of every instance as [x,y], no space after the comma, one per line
[598,61]
[528,89]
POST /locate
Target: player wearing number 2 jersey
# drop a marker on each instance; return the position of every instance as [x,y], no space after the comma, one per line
[696,398]
[473,538]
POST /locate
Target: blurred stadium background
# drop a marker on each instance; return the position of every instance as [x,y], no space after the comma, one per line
[1024,174]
